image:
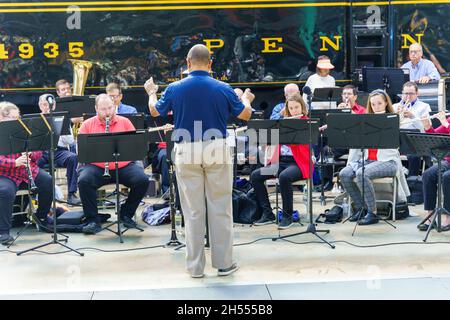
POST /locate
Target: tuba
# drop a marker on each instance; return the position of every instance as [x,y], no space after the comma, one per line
[81,70]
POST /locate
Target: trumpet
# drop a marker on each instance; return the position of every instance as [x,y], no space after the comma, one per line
[403,106]
[31,182]
[106,174]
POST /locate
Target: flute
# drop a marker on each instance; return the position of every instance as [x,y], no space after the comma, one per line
[408,121]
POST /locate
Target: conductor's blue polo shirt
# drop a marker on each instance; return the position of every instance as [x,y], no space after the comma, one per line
[199,97]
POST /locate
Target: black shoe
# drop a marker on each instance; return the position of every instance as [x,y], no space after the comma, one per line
[328,186]
[92,228]
[73,200]
[228,271]
[285,222]
[370,218]
[355,216]
[128,222]
[425,226]
[265,219]
[6,239]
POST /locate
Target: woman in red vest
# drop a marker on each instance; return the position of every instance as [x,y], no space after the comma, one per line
[289,163]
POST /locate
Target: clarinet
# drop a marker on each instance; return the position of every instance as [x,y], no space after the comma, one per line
[106,172]
[33,187]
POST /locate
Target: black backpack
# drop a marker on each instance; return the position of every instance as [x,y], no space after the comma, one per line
[332,215]
[245,208]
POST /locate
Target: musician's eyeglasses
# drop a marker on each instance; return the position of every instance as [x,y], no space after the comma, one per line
[115,97]
[409,93]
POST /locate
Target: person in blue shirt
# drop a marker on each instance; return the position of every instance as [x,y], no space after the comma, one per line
[201,106]
[114,91]
[420,70]
[289,91]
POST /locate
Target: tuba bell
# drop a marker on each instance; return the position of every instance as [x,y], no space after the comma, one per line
[81,70]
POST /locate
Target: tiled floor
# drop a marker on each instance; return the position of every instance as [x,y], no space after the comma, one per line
[301,268]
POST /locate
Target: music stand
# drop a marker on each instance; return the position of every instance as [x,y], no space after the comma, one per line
[437,145]
[330,94]
[363,131]
[321,115]
[43,134]
[76,106]
[292,131]
[390,79]
[113,147]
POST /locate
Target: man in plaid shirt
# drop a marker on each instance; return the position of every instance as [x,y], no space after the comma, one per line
[14,175]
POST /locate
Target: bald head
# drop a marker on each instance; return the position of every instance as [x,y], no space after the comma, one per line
[290,90]
[415,53]
[104,106]
[199,58]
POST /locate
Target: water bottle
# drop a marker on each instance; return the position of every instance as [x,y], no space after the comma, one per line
[305,193]
[345,207]
[178,224]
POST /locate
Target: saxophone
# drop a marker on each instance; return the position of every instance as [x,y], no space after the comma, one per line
[106,174]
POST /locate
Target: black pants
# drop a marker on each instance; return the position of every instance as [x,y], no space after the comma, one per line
[8,189]
[288,172]
[91,178]
[430,180]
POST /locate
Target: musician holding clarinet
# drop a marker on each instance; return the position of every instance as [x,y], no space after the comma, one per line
[94,175]
[430,176]
[19,171]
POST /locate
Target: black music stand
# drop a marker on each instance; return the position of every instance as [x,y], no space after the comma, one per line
[113,147]
[390,79]
[76,105]
[321,115]
[46,133]
[437,145]
[292,131]
[330,94]
[363,131]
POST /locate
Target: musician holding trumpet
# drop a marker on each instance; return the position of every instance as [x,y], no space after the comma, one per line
[17,171]
[411,110]
[94,175]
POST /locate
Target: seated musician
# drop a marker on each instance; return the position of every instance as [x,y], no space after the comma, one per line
[378,163]
[91,174]
[420,70]
[64,158]
[411,110]
[289,90]
[14,175]
[63,89]
[292,164]
[349,101]
[114,90]
[430,177]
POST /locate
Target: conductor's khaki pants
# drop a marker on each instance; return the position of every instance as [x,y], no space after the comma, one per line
[204,172]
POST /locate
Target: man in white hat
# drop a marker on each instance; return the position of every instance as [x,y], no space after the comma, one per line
[321,79]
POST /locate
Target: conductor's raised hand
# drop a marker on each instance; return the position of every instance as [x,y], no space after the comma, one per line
[150,87]
[248,95]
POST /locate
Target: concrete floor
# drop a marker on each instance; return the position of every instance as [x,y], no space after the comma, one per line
[300,268]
